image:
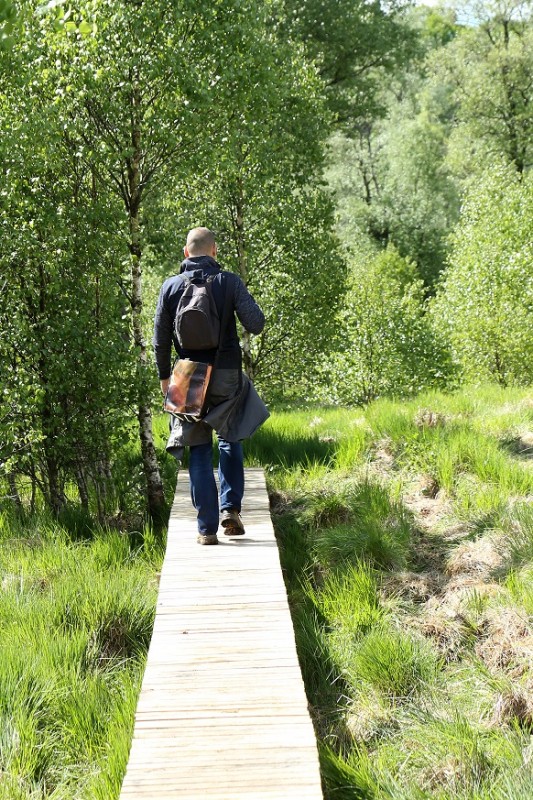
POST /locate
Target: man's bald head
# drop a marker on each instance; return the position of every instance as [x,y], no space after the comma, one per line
[200,242]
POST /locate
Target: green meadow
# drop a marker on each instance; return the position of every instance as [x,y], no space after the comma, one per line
[76,620]
[406,537]
[77,605]
[406,540]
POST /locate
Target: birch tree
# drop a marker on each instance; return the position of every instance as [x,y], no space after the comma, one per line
[489,69]
[262,193]
[485,305]
[63,349]
[146,83]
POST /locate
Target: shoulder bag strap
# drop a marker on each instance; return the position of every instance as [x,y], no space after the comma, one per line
[226,314]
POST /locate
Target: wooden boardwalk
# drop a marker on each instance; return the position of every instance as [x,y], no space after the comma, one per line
[222,712]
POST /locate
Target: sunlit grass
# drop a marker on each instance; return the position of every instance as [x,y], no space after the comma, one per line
[76,619]
[401,712]
[399,715]
[348,599]
[394,663]
[520,585]
[365,523]
[446,756]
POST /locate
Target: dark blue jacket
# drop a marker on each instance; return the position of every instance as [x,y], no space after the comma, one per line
[242,304]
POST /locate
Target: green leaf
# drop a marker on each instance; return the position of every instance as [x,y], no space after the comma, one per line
[46,7]
[85,28]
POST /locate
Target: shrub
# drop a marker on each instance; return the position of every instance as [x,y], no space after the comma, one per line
[485,306]
[385,344]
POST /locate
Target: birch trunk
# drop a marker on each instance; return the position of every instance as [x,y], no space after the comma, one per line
[13,491]
[81,482]
[33,496]
[49,420]
[154,484]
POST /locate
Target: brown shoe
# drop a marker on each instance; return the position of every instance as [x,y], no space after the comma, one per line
[232,523]
[207,538]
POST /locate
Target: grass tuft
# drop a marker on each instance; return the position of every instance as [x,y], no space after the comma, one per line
[375,528]
[343,780]
[520,534]
[393,663]
[348,599]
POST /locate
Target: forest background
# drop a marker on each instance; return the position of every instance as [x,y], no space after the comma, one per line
[366,169]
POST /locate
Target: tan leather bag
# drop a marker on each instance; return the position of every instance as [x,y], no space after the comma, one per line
[187,389]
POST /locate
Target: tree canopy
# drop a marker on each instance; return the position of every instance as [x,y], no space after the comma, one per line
[355,159]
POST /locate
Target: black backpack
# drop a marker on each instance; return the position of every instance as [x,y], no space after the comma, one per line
[197,322]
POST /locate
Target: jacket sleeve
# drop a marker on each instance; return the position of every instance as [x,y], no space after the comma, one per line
[162,340]
[247,310]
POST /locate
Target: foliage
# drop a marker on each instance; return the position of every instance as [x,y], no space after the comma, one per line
[488,68]
[103,136]
[8,20]
[146,113]
[384,344]
[393,183]
[63,349]
[354,45]
[390,172]
[418,202]
[484,307]
[462,100]
[261,192]
[107,129]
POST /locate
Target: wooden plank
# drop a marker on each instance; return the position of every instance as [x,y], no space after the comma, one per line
[222,712]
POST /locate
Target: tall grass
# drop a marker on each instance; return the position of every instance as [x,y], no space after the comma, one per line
[393,663]
[400,712]
[409,668]
[519,527]
[372,526]
[520,585]
[75,619]
[348,600]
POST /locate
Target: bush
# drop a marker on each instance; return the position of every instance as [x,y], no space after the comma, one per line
[385,344]
[485,306]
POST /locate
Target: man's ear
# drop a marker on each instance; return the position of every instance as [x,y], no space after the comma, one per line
[186,251]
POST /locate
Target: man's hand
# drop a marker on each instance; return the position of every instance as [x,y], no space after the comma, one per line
[164,385]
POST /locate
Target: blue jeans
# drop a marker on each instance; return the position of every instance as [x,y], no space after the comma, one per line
[204,494]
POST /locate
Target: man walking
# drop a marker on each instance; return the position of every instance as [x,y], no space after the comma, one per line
[230,295]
